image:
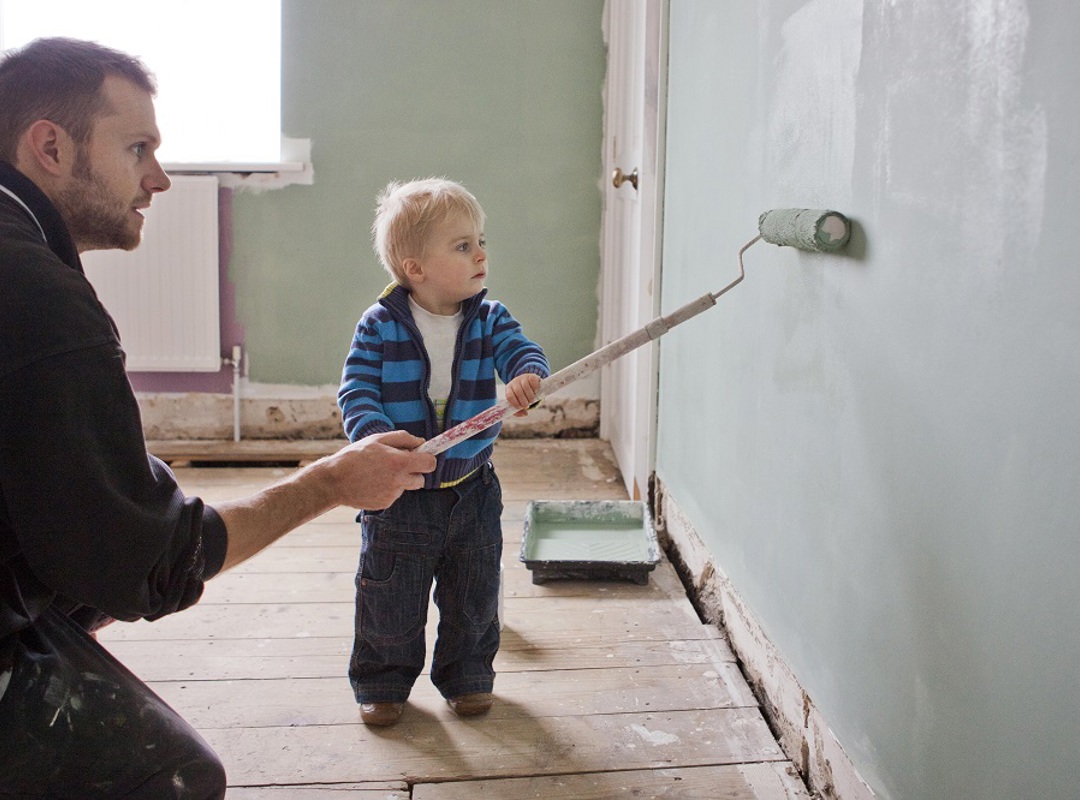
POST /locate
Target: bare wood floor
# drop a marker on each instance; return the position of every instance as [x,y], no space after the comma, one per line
[604,689]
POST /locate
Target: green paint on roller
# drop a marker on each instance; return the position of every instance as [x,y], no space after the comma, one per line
[806,228]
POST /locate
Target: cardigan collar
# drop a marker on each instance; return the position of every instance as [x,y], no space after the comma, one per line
[396,298]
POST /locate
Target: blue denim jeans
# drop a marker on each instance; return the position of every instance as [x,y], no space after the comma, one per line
[452,537]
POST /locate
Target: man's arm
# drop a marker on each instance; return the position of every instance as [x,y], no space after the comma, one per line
[370,474]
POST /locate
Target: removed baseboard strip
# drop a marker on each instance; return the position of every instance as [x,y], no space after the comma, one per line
[311,415]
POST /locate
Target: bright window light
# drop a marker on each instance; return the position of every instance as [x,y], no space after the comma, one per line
[217,63]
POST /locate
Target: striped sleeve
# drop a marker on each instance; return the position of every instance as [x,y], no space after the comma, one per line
[515,354]
[360,396]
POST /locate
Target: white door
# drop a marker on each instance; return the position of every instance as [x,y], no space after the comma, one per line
[630,259]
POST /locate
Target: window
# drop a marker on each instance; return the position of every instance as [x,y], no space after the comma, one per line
[217,63]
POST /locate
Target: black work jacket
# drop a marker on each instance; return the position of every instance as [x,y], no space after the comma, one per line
[89,521]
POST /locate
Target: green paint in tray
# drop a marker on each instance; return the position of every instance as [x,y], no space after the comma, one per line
[589,540]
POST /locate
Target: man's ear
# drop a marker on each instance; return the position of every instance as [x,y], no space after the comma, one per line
[47,147]
[413,271]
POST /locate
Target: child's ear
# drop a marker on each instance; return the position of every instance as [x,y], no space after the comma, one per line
[413,270]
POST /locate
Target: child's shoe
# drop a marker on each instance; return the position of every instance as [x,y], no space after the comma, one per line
[471,705]
[381,714]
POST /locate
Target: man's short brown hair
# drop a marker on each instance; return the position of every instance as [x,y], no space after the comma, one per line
[60,80]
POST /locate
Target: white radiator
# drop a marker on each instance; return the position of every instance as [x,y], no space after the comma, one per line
[164,294]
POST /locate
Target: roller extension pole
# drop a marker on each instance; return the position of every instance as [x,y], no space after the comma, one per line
[564,377]
[806,229]
[576,371]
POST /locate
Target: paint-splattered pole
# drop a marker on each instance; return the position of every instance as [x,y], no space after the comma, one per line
[579,369]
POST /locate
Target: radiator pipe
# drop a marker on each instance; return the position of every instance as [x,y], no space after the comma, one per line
[237,356]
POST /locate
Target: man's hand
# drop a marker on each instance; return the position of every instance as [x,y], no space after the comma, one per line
[521,392]
[369,474]
[373,472]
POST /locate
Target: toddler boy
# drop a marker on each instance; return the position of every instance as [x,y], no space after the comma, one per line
[423,359]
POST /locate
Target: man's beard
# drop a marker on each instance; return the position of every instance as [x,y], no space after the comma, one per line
[96,220]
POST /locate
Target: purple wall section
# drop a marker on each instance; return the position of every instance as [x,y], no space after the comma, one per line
[232,333]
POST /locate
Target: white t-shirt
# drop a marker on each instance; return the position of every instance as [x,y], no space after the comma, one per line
[440,338]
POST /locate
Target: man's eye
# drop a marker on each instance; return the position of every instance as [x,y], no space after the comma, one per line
[140,149]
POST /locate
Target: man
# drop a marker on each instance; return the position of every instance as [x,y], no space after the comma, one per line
[91,527]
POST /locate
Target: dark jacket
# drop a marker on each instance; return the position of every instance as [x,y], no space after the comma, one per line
[88,520]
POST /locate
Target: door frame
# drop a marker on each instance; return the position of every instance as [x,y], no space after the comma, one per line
[630,287]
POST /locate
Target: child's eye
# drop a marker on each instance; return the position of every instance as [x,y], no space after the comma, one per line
[483,243]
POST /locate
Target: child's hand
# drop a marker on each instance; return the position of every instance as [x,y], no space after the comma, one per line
[521,392]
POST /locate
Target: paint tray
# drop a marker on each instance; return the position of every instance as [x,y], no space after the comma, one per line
[589,540]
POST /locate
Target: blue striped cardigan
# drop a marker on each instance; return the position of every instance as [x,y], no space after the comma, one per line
[384,384]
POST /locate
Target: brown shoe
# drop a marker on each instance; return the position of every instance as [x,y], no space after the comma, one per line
[471,705]
[381,714]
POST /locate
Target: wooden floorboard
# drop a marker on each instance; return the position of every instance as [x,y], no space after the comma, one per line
[762,781]
[433,745]
[322,657]
[339,791]
[284,702]
[604,689]
[321,579]
[533,619]
[253,451]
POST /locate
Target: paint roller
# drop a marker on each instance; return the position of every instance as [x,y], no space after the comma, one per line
[814,230]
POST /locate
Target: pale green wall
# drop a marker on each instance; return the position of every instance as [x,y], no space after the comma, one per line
[505,97]
[882,450]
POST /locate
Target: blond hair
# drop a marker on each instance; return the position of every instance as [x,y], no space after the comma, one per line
[406,212]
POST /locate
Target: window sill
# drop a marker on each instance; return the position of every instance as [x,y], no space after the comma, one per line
[233,168]
[256,176]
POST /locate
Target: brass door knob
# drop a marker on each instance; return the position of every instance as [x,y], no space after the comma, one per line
[618,178]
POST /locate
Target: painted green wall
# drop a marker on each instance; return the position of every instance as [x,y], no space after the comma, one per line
[881,450]
[504,97]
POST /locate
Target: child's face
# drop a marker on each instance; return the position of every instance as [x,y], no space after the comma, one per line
[453,267]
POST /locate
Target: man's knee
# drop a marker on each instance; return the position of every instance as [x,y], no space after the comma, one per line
[201,777]
[76,724]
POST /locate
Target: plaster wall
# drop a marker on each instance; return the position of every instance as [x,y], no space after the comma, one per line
[879,449]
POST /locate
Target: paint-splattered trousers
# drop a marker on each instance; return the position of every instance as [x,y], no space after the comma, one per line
[75,723]
[453,537]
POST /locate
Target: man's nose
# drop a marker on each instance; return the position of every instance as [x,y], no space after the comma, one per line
[157,180]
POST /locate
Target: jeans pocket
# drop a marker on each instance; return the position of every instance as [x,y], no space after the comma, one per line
[480,603]
[392,596]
